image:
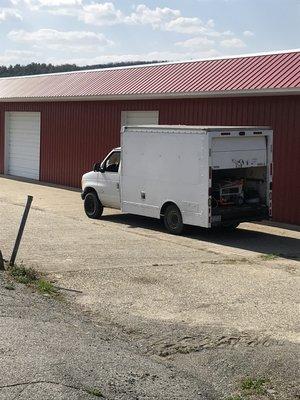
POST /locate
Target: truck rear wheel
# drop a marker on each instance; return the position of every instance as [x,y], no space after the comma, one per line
[173,220]
[92,206]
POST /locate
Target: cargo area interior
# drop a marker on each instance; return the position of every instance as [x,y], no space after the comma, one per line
[239,194]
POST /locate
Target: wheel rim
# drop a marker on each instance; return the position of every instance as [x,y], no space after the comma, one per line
[173,219]
[89,205]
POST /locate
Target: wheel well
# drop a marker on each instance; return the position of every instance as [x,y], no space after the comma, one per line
[88,190]
[164,207]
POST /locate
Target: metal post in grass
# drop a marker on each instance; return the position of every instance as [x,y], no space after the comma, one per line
[21,230]
[2,267]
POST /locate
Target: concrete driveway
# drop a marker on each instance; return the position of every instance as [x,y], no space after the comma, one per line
[180,299]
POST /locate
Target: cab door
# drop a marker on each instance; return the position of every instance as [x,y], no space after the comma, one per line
[109,181]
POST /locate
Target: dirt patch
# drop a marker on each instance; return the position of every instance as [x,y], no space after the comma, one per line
[145,280]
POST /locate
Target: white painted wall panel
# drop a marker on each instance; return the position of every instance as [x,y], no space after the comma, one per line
[130,118]
[163,165]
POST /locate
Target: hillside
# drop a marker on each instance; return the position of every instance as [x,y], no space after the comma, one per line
[38,68]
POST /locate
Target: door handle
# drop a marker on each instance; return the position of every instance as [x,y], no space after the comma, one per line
[118,186]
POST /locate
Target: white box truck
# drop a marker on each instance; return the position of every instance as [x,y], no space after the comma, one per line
[214,176]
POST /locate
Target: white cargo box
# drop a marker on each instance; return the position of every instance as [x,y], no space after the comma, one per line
[162,164]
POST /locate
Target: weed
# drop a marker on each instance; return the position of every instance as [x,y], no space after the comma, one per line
[28,276]
[254,386]
[270,256]
[250,387]
[95,392]
[23,275]
[46,287]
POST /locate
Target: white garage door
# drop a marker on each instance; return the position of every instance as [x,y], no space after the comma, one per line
[23,144]
[139,118]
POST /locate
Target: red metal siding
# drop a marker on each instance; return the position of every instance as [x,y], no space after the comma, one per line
[76,134]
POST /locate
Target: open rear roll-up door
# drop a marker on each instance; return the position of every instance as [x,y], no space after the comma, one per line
[238,152]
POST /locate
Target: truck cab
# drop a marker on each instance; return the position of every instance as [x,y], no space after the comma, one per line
[102,183]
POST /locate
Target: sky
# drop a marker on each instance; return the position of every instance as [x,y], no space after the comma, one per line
[93,31]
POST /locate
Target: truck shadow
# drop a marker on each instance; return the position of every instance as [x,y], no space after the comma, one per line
[252,240]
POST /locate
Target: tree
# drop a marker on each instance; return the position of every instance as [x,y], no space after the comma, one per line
[42,68]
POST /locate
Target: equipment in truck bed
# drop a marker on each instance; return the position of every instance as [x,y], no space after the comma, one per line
[228,192]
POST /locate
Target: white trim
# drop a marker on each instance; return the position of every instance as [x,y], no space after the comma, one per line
[123,118]
[206,94]
[197,128]
[159,64]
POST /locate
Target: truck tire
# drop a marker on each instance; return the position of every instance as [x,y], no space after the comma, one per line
[173,220]
[92,205]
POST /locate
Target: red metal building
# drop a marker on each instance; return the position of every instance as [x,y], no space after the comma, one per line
[53,127]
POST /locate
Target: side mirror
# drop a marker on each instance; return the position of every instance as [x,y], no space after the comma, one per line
[96,167]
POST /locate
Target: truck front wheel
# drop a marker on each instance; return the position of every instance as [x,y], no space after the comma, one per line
[173,220]
[92,206]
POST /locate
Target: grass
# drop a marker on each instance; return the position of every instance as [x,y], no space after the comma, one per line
[94,391]
[23,275]
[254,386]
[46,287]
[30,277]
[250,387]
[270,256]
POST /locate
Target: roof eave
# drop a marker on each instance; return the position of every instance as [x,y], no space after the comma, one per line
[150,96]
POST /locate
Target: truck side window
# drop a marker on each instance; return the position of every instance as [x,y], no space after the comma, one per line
[112,163]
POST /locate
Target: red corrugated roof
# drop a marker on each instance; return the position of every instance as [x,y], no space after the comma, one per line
[257,74]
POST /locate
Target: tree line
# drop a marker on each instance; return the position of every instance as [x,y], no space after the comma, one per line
[41,68]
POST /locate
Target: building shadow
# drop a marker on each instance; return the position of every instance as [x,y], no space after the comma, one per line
[39,183]
[245,239]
